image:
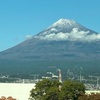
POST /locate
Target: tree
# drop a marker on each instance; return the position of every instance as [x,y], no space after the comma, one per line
[45,89]
[8,98]
[49,90]
[92,96]
[72,90]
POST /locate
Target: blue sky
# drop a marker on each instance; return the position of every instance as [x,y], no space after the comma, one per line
[22,18]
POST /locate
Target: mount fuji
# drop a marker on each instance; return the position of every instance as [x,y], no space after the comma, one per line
[63,40]
[64,45]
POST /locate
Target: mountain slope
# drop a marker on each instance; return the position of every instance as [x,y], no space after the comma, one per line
[64,40]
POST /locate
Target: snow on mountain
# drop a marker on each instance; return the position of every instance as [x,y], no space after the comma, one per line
[64,23]
[65,29]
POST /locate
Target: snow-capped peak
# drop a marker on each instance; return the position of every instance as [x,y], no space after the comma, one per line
[64,22]
[65,29]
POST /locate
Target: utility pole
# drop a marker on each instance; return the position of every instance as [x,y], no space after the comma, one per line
[60,79]
[81,74]
[60,76]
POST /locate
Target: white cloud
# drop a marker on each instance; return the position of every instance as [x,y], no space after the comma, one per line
[29,36]
[53,29]
[74,35]
[77,35]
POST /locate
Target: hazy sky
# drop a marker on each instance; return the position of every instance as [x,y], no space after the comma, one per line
[20,19]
